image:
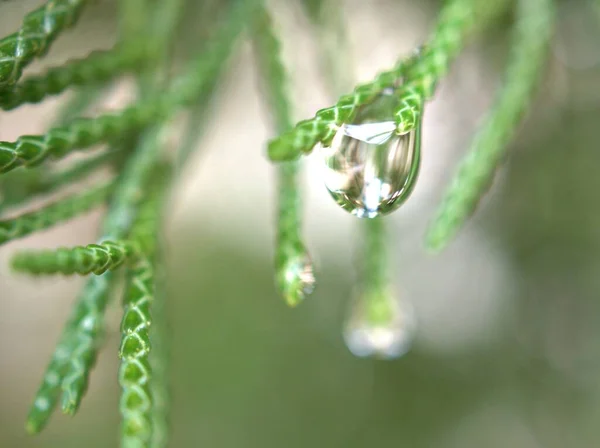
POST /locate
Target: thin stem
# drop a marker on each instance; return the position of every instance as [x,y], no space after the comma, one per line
[52,214]
[26,185]
[375,256]
[82,260]
[293,265]
[529,50]
[72,351]
[378,325]
[201,109]
[77,105]
[196,124]
[331,29]
[134,17]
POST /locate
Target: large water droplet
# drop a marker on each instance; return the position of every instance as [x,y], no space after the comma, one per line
[370,169]
[381,326]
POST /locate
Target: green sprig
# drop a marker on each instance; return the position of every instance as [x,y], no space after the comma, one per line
[73,354]
[82,260]
[53,214]
[475,174]
[294,268]
[39,29]
[129,235]
[99,66]
[135,373]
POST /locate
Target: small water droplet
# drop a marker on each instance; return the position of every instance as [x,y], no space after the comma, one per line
[297,279]
[370,169]
[380,326]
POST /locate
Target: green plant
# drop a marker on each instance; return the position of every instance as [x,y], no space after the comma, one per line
[143,170]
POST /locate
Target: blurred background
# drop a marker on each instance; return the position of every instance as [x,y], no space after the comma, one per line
[507,352]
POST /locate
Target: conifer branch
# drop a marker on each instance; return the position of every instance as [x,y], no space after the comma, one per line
[82,133]
[129,238]
[79,339]
[76,351]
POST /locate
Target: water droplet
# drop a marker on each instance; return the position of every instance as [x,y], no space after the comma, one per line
[370,169]
[297,279]
[381,326]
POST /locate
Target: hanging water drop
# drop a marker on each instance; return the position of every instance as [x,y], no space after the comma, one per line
[370,169]
[296,278]
[380,326]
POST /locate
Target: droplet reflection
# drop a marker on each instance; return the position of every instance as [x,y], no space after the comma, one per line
[380,326]
[370,170]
